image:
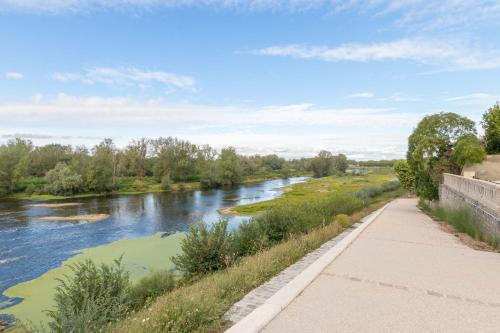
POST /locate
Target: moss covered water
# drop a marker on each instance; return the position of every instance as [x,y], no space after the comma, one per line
[33,249]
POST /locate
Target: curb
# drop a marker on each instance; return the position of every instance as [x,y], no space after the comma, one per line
[261,316]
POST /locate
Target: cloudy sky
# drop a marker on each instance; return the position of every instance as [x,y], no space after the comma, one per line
[290,77]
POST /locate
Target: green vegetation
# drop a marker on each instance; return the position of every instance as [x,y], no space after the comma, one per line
[62,181]
[325,164]
[91,297]
[405,175]
[442,142]
[145,165]
[200,305]
[38,294]
[491,125]
[463,220]
[319,188]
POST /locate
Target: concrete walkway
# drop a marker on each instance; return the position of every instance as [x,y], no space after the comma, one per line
[403,274]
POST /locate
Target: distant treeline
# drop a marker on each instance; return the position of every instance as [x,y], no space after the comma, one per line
[66,170]
[63,169]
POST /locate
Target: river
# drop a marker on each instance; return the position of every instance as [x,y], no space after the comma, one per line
[30,247]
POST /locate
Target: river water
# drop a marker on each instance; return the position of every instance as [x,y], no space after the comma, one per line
[30,247]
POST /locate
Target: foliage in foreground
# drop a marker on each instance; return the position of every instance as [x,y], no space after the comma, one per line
[462,219]
[90,298]
[200,306]
[93,296]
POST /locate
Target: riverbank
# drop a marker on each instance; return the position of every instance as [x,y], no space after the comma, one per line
[314,189]
[138,259]
[125,185]
[213,295]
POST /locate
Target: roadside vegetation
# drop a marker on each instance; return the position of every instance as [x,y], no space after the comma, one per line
[463,220]
[217,266]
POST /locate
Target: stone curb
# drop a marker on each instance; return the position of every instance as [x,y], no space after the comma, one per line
[262,315]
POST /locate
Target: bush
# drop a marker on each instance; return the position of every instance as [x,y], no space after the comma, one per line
[90,298]
[62,181]
[150,287]
[206,249]
[166,183]
[250,239]
[139,186]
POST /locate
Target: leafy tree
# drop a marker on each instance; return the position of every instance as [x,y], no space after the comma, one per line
[61,180]
[431,148]
[340,163]
[44,158]
[14,165]
[491,126]
[102,173]
[322,164]
[229,167]
[468,150]
[405,175]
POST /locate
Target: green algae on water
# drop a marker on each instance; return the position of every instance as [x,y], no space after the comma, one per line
[140,257]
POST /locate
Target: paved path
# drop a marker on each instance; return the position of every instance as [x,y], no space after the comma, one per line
[403,274]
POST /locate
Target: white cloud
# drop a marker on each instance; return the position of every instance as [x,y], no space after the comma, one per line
[14,75]
[446,55]
[398,97]
[251,129]
[128,77]
[475,99]
[361,95]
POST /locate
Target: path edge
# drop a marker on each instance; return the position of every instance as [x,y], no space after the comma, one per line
[262,315]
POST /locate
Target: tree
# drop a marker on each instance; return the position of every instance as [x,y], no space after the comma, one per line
[468,150]
[405,175]
[340,163]
[431,148]
[62,181]
[45,158]
[229,167]
[491,126]
[14,165]
[102,173]
[322,164]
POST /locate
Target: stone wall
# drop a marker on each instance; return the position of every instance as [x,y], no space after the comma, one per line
[480,196]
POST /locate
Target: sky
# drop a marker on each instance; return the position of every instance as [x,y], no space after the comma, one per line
[265,76]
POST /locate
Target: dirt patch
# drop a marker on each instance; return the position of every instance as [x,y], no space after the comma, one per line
[227,211]
[466,239]
[87,218]
[56,205]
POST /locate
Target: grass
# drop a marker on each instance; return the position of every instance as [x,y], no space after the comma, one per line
[317,189]
[463,220]
[200,306]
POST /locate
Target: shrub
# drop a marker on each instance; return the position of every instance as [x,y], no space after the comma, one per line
[61,180]
[148,288]
[250,239]
[343,219]
[90,298]
[206,249]
[139,186]
[166,183]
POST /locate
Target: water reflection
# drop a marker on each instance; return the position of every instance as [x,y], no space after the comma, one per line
[29,247]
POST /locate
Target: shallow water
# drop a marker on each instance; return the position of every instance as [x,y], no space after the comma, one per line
[29,247]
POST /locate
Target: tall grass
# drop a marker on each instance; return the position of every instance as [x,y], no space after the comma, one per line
[463,219]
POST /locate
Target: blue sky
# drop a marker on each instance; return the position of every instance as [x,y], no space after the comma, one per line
[265,76]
